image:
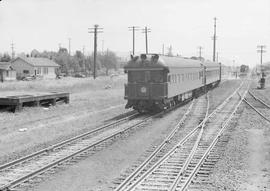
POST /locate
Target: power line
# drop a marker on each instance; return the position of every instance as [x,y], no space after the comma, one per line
[146,31]
[95,30]
[214,40]
[133,29]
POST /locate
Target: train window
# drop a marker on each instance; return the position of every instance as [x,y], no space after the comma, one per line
[136,76]
[169,78]
[183,77]
[179,78]
[157,76]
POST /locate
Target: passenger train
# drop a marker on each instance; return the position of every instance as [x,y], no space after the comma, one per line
[159,82]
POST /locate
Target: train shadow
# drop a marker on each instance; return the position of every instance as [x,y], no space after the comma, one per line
[121,116]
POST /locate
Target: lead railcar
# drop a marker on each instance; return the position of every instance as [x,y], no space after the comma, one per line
[159,82]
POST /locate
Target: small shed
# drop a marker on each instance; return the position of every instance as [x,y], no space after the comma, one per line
[7,73]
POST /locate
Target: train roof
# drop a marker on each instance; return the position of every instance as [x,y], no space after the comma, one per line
[156,61]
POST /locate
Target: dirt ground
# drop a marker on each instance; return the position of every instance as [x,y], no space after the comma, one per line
[246,161]
[98,171]
[245,165]
[91,103]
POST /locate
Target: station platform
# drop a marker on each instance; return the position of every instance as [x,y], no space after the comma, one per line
[15,101]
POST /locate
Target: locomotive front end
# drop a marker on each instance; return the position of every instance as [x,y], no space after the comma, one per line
[147,84]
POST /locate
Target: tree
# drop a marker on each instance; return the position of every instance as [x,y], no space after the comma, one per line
[5,58]
[108,61]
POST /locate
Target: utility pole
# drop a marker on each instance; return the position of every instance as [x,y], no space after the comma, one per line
[83,50]
[102,46]
[133,29]
[69,39]
[12,51]
[95,30]
[261,50]
[163,49]
[217,57]
[146,31]
[200,52]
[214,40]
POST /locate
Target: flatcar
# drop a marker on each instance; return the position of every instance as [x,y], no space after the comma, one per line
[159,82]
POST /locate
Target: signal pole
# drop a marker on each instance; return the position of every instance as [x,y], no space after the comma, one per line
[69,39]
[261,50]
[133,29]
[214,40]
[12,51]
[200,52]
[95,30]
[146,30]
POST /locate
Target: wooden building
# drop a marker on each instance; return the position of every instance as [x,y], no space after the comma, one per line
[7,73]
[31,66]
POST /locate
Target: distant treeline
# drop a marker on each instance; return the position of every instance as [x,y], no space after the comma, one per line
[77,63]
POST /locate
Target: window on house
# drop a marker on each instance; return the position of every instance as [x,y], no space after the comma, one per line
[169,78]
[45,70]
[38,70]
[26,71]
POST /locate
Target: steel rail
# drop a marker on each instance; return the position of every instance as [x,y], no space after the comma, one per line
[192,153]
[262,115]
[147,161]
[23,159]
[192,132]
[211,146]
[48,166]
[45,168]
[259,100]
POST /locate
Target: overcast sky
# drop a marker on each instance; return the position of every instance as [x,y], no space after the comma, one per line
[184,24]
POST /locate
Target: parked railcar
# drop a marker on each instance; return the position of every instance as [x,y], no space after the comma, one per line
[159,82]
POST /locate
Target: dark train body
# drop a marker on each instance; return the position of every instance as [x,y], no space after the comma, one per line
[159,82]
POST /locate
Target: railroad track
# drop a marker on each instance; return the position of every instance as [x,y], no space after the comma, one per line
[177,168]
[197,110]
[22,169]
[258,104]
[26,168]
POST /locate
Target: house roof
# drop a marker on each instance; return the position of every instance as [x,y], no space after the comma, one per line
[5,66]
[38,61]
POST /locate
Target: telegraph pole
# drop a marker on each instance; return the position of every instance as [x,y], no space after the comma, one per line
[214,40]
[102,46]
[217,57]
[133,29]
[95,30]
[200,52]
[146,31]
[69,39]
[83,50]
[163,49]
[261,50]
[12,51]
[59,44]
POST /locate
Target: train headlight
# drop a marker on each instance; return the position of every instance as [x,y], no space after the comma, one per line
[143,89]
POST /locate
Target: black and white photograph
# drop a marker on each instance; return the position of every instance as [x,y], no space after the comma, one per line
[134,95]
